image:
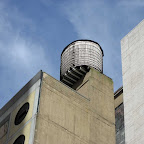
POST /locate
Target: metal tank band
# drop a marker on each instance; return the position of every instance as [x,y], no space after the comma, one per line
[76,59]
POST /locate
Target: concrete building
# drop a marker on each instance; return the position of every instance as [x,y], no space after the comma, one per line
[79,109]
[132,49]
[119,116]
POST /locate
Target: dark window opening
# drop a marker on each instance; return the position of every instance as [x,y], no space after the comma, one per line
[20,140]
[22,113]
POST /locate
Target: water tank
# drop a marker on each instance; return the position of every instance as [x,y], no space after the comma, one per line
[77,58]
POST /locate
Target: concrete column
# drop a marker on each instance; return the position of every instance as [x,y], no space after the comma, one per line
[98,88]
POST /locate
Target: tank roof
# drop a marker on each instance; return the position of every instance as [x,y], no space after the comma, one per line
[83,40]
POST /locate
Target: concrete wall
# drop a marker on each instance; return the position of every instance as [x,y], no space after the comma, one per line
[119,100]
[132,48]
[67,117]
[9,131]
[119,117]
[120,128]
[99,89]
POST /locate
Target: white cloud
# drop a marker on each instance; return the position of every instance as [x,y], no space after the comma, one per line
[18,50]
[95,20]
[103,22]
[20,56]
[86,16]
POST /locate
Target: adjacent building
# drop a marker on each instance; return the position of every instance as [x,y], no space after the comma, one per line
[132,49]
[119,116]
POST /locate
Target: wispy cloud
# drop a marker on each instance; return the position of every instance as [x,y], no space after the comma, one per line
[86,16]
[21,57]
[93,20]
[103,22]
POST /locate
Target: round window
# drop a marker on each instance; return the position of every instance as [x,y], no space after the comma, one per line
[22,113]
[20,140]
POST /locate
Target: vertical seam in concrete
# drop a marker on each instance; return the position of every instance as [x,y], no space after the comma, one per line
[8,127]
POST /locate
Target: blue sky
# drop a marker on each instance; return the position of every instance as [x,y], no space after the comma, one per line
[33,34]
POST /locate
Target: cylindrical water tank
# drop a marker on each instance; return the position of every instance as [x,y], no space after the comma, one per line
[82,53]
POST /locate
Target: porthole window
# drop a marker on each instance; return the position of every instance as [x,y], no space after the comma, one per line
[22,113]
[20,140]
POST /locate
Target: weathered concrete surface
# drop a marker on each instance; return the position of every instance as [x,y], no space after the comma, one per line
[68,117]
[14,128]
[118,100]
[120,129]
[119,116]
[99,89]
[3,132]
[61,115]
[24,131]
[132,47]
[9,132]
